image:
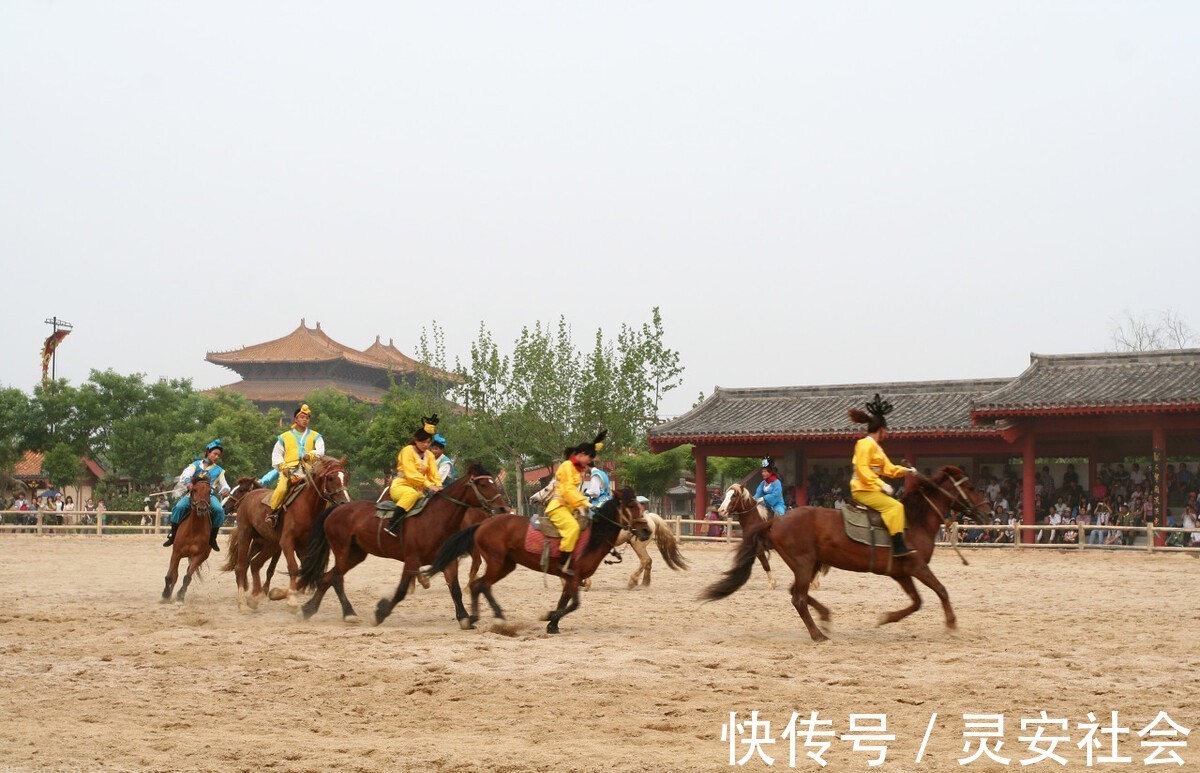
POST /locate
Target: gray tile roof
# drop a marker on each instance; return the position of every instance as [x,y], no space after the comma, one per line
[923,407]
[1098,383]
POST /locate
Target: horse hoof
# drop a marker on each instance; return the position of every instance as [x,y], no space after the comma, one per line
[243,607]
[546,616]
[423,580]
[552,628]
[466,624]
[952,624]
[277,594]
[252,602]
[351,619]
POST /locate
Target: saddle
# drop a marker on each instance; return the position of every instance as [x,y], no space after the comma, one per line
[865,526]
[543,537]
[387,508]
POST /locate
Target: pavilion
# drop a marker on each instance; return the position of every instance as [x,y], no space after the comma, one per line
[1102,407]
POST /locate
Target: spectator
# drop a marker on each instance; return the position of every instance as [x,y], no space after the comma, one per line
[1184,476]
[1070,476]
[715,529]
[1136,476]
[1102,517]
[1071,536]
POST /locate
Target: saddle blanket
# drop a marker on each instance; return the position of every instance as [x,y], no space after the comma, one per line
[865,527]
[534,540]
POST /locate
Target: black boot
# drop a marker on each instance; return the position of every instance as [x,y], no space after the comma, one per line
[563,568]
[212,539]
[899,549]
[171,537]
[394,524]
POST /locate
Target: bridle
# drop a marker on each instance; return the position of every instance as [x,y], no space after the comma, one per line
[319,481]
[484,503]
[752,508]
[621,507]
[962,502]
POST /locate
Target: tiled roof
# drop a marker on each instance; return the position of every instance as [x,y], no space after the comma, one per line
[400,362]
[304,344]
[30,465]
[295,390]
[921,408]
[1098,383]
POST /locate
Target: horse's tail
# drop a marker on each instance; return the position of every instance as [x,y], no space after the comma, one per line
[667,544]
[458,545]
[230,551]
[754,540]
[316,555]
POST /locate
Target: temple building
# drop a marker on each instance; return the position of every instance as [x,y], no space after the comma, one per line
[282,372]
[1096,408]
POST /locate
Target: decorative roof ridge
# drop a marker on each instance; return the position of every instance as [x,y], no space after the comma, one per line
[893,387]
[1113,359]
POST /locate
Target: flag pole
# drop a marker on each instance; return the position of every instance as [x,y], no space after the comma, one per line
[57,324]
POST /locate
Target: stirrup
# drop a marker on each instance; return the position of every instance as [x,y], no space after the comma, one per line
[273,519]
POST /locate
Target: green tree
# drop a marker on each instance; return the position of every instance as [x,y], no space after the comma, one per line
[343,423]
[724,471]
[14,412]
[247,435]
[652,474]
[63,466]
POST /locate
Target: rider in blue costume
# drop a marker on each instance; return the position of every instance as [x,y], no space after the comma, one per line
[770,490]
[208,464]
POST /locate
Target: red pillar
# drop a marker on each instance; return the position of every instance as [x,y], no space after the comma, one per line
[1028,471]
[1159,436]
[701,482]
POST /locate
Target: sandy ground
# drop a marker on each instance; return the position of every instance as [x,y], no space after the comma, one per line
[96,674]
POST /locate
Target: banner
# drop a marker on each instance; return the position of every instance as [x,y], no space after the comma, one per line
[52,342]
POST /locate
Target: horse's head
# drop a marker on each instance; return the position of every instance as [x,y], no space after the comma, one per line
[630,513]
[735,495]
[330,479]
[485,493]
[961,494]
[201,488]
[234,498]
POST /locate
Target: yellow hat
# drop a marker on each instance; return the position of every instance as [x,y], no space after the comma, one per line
[302,409]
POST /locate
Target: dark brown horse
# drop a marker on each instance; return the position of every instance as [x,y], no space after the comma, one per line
[260,550]
[257,542]
[192,538]
[353,531]
[501,542]
[812,539]
[740,504]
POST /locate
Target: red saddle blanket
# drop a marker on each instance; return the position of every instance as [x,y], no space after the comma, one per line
[534,539]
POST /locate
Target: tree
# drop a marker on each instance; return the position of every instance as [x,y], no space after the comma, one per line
[726,470]
[652,474]
[14,410]
[1139,333]
[247,436]
[63,466]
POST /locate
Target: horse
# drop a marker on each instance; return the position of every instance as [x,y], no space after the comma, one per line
[812,539]
[741,504]
[353,531]
[191,540]
[258,551]
[661,534]
[501,542]
[256,541]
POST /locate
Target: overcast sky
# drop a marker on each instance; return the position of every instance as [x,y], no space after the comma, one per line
[812,192]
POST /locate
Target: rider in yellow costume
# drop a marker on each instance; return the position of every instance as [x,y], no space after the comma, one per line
[416,472]
[870,462]
[297,444]
[568,498]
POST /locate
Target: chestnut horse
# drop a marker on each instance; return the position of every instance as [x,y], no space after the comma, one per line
[812,539]
[353,531]
[501,542]
[740,503]
[256,541]
[192,539]
[259,550]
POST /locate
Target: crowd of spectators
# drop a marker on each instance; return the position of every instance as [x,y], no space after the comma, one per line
[63,508]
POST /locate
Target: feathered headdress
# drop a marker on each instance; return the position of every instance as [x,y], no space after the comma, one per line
[427,428]
[594,447]
[875,416]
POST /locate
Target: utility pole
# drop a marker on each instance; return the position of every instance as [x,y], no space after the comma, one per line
[58,324]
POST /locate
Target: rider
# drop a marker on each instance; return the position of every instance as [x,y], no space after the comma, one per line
[598,488]
[866,487]
[298,444]
[770,489]
[568,497]
[416,472]
[445,464]
[207,464]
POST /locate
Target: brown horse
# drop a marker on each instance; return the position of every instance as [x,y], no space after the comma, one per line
[501,542]
[353,531]
[192,539]
[740,503]
[660,532]
[812,539]
[256,541]
[259,550]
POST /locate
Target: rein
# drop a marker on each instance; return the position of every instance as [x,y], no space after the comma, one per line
[948,522]
[485,504]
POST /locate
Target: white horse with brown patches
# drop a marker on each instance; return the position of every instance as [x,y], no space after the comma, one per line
[739,503]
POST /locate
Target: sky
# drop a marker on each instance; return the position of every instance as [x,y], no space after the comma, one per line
[812,192]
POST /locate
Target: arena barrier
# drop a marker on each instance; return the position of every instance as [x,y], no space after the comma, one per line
[109,522]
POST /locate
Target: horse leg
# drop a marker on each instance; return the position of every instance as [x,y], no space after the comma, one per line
[193,565]
[822,610]
[172,574]
[925,575]
[354,556]
[460,611]
[287,545]
[240,569]
[766,565]
[894,617]
[279,593]
[476,560]
[644,564]
[385,606]
[503,566]
[567,603]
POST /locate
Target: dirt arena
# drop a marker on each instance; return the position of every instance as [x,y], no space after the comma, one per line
[96,674]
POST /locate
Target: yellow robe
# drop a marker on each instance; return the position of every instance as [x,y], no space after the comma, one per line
[292,454]
[415,473]
[866,487]
[567,497]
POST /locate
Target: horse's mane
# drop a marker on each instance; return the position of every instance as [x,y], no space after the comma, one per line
[928,487]
[609,511]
